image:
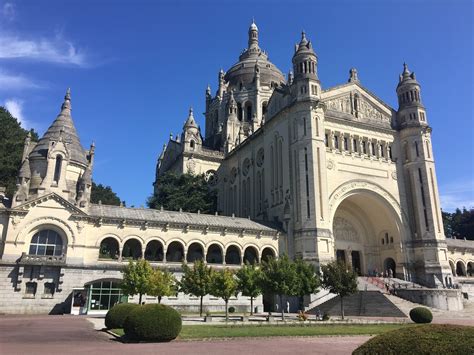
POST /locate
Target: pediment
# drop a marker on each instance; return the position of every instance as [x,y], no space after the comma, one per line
[356,103]
[51,200]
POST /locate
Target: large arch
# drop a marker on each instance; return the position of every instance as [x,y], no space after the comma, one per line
[195,252]
[175,252]
[470,268]
[214,254]
[251,255]
[109,248]
[367,229]
[460,268]
[268,253]
[154,250]
[232,255]
[132,249]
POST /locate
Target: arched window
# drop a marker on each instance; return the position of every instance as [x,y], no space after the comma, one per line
[46,242]
[175,252]
[109,249]
[132,249]
[191,144]
[214,254]
[249,111]
[154,251]
[195,252]
[57,168]
[232,255]
[250,255]
[267,254]
[239,111]
[460,269]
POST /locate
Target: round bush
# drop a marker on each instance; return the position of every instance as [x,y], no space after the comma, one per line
[152,322]
[116,315]
[422,339]
[421,315]
[231,309]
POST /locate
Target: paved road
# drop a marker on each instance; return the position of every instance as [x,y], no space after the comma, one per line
[73,335]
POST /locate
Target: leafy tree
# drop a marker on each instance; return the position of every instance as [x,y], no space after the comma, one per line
[187,191]
[137,278]
[308,280]
[459,224]
[162,284]
[338,279]
[12,140]
[249,279]
[224,285]
[196,280]
[105,195]
[280,278]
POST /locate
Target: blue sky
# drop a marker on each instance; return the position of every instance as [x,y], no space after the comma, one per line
[135,67]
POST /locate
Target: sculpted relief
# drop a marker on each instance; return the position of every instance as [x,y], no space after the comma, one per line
[343,230]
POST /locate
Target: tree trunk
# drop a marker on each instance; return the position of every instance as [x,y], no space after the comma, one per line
[226,310]
[139,298]
[200,308]
[282,310]
[251,306]
[342,308]
[159,299]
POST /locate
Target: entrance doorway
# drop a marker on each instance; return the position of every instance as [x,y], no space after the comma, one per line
[390,267]
[341,256]
[356,262]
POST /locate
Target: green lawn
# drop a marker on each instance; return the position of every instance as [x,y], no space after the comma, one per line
[222,331]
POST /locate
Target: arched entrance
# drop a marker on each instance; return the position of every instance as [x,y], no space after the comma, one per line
[460,269]
[366,233]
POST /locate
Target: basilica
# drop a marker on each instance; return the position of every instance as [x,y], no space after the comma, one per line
[313,172]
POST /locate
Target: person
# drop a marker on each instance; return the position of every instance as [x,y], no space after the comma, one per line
[287,306]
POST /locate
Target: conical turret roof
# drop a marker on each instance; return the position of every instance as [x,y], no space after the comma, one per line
[63,126]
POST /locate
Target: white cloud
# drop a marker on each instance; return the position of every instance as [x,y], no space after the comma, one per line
[10,81]
[55,50]
[15,107]
[457,195]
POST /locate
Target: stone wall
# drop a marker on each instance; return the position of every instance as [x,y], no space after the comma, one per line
[446,299]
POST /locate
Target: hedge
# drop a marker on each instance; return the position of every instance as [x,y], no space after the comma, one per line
[115,317]
[422,339]
[421,315]
[152,322]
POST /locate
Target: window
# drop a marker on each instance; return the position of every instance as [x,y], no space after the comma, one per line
[109,249]
[346,143]
[249,112]
[304,126]
[391,240]
[372,147]
[57,168]
[104,295]
[191,144]
[30,289]
[49,288]
[336,142]
[326,140]
[354,143]
[416,149]
[364,147]
[46,242]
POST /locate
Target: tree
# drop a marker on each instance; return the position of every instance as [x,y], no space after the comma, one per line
[105,195]
[459,224]
[196,281]
[308,280]
[224,285]
[137,278]
[338,279]
[249,280]
[186,191]
[12,141]
[162,284]
[280,278]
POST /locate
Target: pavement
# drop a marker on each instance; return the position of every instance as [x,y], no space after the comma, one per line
[76,334]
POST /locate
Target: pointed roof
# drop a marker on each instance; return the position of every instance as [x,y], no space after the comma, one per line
[63,126]
[190,122]
[407,77]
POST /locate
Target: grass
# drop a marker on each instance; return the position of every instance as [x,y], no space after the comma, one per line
[222,331]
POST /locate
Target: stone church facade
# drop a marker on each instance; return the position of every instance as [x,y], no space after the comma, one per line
[345,175]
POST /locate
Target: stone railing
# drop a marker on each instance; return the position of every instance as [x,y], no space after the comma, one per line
[28,259]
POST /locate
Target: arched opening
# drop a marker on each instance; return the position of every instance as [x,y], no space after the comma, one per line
[453,268]
[264,107]
[46,242]
[132,249]
[460,268]
[248,111]
[232,255]
[195,252]
[367,234]
[250,255]
[175,252]
[154,251]
[389,267]
[191,144]
[214,254]
[239,111]
[109,249]
[470,268]
[267,254]
[57,168]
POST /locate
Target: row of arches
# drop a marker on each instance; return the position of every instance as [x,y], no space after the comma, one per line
[462,269]
[154,251]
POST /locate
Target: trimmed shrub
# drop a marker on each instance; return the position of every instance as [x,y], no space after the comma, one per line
[116,315]
[231,309]
[421,315]
[325,317]
[152,322]
[422,339]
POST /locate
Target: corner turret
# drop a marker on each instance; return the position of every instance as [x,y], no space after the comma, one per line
[305,68]
[411,111]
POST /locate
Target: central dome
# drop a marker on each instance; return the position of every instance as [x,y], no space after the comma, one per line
[244,70]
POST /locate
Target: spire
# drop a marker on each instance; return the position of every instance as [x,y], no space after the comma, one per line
[190,122]
[303,41]
[66,106]
[253,35]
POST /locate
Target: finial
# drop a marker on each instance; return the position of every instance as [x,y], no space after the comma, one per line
[405,68]
[190,111]
[68,94]
[353,76]
[67,101]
